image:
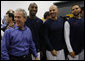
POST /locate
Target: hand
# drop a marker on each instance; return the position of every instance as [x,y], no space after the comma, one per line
[72,54]
[54,52]
[41,54]
[36,58]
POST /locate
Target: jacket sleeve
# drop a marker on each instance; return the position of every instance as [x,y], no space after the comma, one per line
[46,30]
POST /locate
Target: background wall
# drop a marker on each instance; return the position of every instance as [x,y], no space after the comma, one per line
[66,6]
[42,6]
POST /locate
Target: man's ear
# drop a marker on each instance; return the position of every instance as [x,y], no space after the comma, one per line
[80,10]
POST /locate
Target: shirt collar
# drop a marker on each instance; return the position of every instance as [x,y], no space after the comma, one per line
[32,19]
[17,27]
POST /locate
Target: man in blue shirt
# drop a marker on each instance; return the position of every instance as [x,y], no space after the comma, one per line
[17,41]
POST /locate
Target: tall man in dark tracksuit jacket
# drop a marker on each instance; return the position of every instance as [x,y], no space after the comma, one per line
[74,34]
[35,24]
[54,35]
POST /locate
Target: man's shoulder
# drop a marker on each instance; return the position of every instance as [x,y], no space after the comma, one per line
[39,20]
[48,21]
[71,19]
[28,29]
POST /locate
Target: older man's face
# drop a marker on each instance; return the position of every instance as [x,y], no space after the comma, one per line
[33,9]
[53,10]
[20,20]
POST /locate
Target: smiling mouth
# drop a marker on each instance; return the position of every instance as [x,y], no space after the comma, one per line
[76,14]
[34,12]
[52,14]
[18,22]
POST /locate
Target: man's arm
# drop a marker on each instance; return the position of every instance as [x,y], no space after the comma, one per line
[46,30]
[67,38]
[32,46]
[4,46]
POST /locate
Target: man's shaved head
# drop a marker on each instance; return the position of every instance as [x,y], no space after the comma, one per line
[53,6]
[53,10]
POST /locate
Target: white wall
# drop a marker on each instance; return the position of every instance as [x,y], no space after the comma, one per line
[43,6]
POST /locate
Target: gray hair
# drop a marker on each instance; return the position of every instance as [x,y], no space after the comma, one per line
[23,11]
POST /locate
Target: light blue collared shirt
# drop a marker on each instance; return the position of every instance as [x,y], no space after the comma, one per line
[17,42]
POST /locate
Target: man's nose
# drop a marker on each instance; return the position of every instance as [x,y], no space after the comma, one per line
[34,8]
[16,19]
[75,10]
[52,11]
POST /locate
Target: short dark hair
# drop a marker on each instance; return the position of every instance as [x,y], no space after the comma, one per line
[10,11]
[11,15]
[77,5]
[31,5]
[46,14]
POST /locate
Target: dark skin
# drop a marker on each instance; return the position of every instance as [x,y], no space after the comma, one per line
[33,10]
[32,14]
